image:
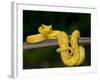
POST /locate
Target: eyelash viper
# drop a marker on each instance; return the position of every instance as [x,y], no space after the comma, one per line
[71,55]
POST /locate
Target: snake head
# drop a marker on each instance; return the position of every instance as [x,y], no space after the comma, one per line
[43,29]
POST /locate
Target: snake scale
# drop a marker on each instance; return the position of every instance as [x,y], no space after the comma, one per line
[71,55]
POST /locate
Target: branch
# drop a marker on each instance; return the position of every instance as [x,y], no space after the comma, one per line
[48,43]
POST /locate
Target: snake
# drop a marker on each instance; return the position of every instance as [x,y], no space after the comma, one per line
[72,54]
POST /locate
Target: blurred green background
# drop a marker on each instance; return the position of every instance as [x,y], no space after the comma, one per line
[64,21]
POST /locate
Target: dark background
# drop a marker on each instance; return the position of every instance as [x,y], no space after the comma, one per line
[68,22]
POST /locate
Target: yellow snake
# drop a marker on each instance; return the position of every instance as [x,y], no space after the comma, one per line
[71,55]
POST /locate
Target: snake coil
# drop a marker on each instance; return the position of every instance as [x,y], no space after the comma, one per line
[71,55]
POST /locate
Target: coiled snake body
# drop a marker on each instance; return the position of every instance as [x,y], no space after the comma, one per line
[71,55]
